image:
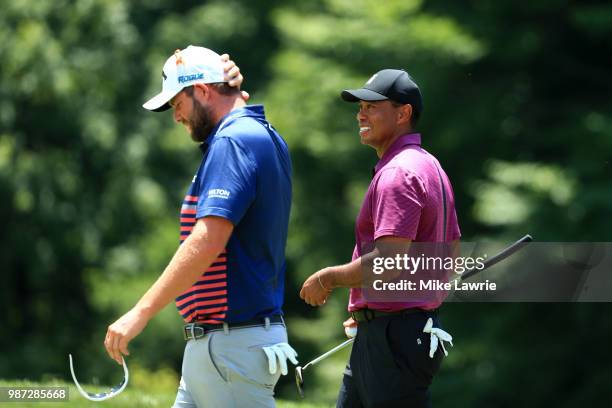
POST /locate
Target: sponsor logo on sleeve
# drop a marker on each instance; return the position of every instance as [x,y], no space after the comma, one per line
[218,193]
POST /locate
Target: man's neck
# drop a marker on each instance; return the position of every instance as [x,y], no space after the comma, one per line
[227,105]
[382,149]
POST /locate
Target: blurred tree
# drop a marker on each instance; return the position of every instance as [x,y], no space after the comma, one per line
[537,102]
[517,108]
[66,182]
[90,184]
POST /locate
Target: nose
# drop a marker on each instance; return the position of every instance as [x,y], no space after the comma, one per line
[361,114]
[177,116]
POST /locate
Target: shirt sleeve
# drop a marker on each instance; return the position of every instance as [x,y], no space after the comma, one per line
[228,183]
[397,204]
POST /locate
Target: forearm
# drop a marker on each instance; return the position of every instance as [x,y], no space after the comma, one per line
[342,276]
[192,258]
[352,274]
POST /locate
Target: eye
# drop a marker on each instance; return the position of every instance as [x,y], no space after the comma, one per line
[366,107]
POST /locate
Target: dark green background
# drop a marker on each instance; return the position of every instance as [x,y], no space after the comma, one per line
[517,109]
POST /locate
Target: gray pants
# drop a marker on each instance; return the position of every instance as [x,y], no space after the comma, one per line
[229,369]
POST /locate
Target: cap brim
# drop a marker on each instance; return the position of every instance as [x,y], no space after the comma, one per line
[356,95]
[159,102]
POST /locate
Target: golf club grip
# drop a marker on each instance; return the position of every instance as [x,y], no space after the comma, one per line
[499,257]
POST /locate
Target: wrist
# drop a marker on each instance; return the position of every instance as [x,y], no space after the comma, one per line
[143,311]
[326,278]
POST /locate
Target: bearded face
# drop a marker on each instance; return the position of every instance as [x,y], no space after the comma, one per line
[201,122]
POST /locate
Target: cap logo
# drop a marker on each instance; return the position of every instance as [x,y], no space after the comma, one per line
[371,79]
[179,58]
[188,78]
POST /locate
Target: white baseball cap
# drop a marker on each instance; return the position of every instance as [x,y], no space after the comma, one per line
[193,65]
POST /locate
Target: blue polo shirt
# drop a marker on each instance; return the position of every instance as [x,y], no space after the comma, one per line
[244,177]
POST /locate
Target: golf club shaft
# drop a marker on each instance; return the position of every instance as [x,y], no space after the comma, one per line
[499,257]
[330,352]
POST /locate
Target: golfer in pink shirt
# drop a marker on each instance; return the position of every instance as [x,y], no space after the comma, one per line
[409,200]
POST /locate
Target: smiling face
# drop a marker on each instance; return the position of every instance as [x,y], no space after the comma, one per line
[380,123]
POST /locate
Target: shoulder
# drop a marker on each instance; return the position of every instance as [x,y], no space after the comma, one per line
[392,175]
[416,161]
[228,147]
[243,128]
[399,180]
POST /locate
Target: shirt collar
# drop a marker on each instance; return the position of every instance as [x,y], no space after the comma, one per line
[398,146]
[255,111]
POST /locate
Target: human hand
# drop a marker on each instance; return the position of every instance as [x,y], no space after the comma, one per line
[350,327]
[120,333]
[313,292]
[232,73]
[280,352]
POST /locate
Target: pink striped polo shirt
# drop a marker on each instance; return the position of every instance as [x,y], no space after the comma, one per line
[405,199]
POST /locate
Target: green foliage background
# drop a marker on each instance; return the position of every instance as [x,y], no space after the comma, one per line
[517,108]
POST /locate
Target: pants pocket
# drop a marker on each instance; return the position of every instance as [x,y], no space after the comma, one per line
[216,360]
[378,339]
[241,358]
[410,347]
[261,373]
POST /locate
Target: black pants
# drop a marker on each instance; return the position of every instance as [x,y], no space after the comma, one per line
[390,364]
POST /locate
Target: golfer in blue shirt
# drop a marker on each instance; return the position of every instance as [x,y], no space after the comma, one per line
[227,276]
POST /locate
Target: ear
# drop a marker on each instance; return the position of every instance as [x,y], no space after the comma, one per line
[404,114]
[201,92]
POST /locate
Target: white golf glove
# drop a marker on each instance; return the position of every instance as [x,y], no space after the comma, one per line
[350,331]
[437,336]
[280,352]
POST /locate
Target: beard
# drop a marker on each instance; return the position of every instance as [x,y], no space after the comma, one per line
[201,122]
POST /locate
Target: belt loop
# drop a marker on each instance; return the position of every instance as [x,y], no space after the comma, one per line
[192,331]
[267,323]
[225,328]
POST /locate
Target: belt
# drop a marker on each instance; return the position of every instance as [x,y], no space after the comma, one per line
[194,331]
[365,315]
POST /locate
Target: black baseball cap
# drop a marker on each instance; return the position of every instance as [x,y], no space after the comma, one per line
[393,84]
